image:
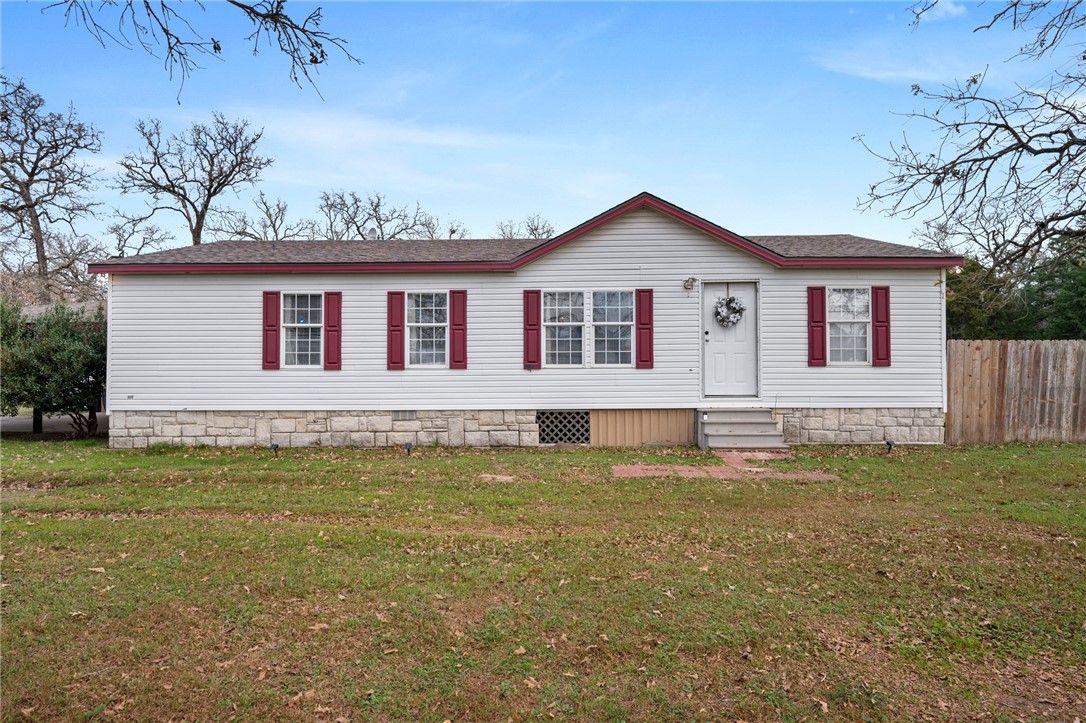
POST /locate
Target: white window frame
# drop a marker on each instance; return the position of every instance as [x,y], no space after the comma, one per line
[409,325]
[830,323]
[285,326]
[588,328]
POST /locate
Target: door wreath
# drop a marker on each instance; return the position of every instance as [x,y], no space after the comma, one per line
[729,311]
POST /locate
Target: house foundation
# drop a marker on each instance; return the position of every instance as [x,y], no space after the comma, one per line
[465,428]
[478,428]
[906,425]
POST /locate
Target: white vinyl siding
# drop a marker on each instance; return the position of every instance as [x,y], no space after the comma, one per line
[206,353]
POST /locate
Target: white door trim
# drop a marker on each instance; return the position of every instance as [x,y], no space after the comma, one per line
[711,399]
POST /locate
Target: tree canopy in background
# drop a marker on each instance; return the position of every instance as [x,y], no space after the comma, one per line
[983,303]
[1004,178]
[56,364]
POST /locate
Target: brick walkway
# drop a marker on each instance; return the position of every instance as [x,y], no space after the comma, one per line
[735,465]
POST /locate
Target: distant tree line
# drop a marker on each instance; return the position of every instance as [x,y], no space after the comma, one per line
[47,186]
[1049,303]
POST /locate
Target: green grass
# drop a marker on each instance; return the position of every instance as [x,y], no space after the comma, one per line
[208,584]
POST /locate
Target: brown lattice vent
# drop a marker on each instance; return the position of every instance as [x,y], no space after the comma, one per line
[572,427]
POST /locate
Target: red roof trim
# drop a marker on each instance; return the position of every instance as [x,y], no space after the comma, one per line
[642,200]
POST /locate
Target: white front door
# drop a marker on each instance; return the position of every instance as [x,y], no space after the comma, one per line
[730,353]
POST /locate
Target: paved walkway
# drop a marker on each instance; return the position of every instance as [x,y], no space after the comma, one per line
[50,425]
[735,465]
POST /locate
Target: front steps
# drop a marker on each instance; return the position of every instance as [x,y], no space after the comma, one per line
[738,429]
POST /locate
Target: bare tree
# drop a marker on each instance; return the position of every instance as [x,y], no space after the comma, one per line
[270,222]
[43,181]
[535,226]
[433,227]
[161,25]
[346,215]
[132,235]
[67,255]
[1005,171]
[187,172]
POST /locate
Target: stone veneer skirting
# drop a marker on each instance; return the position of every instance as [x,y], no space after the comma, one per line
[473,428]
[500,428]
[861,426]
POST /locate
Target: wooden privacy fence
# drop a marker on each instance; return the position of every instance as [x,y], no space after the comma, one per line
[1007,391]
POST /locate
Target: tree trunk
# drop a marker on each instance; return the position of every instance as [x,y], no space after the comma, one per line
[38,236]
[37,423]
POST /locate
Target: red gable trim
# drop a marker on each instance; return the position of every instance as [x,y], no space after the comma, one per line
[642,200]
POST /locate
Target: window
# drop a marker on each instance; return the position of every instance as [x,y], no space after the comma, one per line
[428,327]
[610,341]
[563,319]
[849,317]
[612,326]
[302,327]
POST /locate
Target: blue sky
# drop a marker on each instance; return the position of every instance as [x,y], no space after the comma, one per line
[744,113]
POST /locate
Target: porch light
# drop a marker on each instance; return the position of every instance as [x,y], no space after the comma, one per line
[689,283]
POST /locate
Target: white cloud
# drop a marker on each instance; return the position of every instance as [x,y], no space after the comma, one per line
[942,10]
[876,59]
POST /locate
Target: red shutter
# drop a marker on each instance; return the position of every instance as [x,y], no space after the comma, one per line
[533,329]
[333,330]
[880,326]
[643,322]
[458,330]
[396,330]
[271,330]
[816,326]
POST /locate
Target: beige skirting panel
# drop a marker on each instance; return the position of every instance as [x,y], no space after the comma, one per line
[636,427]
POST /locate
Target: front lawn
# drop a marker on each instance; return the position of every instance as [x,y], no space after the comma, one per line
[207,584]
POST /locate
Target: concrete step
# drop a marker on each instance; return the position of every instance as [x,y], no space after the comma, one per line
[725,428]
[734,415]
[738,429]
[739,441]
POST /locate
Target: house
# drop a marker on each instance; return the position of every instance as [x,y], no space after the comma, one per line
[644,325]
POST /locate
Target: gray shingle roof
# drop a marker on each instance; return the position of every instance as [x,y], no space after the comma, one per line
[840,245]
[246,251]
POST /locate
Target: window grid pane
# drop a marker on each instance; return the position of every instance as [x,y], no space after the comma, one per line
[427,320]
[612,307]
[303,346]
[563,307]
[613,344]
[565,345]
[849,305]
[848,341]
[302,308]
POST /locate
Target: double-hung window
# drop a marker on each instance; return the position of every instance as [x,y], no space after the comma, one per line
[302,328]
[428,328]
[849,317]
[608,338]
[563,321]
[612,327]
